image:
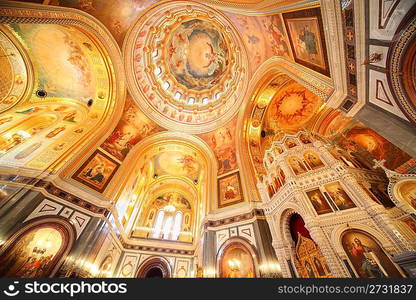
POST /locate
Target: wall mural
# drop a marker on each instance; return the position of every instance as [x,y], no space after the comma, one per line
[116,15]
[339,196]
[229,190]
[222,142]
[362,138]
[131,129]
[264,37]
[59,51]
[306,36]
[291,108]
[177,164]
[313,160]
[237,262]
[367,257]
[34,254]
[97,171]
[319,202]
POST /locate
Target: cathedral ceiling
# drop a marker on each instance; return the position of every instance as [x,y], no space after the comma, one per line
[188,68]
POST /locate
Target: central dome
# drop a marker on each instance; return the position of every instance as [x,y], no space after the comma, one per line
[186,67]
[198,55]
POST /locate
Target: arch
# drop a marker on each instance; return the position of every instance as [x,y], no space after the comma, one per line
[282,220]
[270,70]
[22,238]
[400,64]
[404,191]
[157,140]
[154,262]
[337,232]
[104,108]
[23,85]
[245,246]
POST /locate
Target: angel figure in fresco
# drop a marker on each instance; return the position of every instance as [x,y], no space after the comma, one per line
[368,261]
[188,163]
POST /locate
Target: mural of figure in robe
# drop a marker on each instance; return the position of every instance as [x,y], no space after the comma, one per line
[367,257]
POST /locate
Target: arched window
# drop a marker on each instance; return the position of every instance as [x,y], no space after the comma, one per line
[167,225]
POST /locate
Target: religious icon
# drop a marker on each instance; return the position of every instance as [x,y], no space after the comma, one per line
[339,196]
[297,165]
[229,189]
[290,143]
[97,171]
[313,160]
[305,31]
[33,255]
[367,257]
[319,202]
[318,266]
[305,139]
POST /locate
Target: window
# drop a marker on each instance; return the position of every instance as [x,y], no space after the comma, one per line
[167,225]
[158,224]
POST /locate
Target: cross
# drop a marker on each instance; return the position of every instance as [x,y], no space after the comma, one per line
[379,164]
[350,35]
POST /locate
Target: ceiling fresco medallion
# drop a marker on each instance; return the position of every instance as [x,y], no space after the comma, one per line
[198,55]
[186,66]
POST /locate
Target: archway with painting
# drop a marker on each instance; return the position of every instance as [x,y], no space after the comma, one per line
[367,257]
[236,260]
[309,260]
[155,267]
[36,250]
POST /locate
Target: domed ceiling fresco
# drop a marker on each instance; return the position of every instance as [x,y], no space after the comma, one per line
[188,71]
[198,55]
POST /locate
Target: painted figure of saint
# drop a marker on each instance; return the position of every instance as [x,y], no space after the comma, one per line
[370,263]
[309,40]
